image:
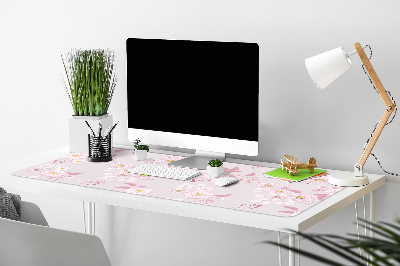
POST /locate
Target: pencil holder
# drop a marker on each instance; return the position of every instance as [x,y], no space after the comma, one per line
[99,149]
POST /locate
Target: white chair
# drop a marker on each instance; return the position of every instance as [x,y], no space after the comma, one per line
[32,243]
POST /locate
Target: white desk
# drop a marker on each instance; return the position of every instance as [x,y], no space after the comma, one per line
[297,223]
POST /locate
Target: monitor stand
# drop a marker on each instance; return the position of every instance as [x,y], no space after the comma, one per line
[199,160]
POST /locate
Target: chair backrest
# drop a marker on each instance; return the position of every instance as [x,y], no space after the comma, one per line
[32,214]
[36,245]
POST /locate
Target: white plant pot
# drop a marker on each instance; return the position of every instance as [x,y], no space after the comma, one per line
[215,171]
[78,131]
[141,155]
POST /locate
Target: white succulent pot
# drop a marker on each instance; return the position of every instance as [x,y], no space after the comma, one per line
[215,171]
[141,155]
[78,131]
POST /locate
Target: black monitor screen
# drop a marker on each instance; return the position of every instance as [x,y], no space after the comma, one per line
[193,87]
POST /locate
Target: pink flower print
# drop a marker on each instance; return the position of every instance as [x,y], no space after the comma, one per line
[36,169]
[245,206]
[221,197]
[278,192]
[146,178]
[280,198]
[129,185]
[232,170]
[202,187]
[199,194]
[187,186]
[139,190]
[328,188]
[76,156]
[176,190]
[182,188]
[333,189]
[123,174]
[120,165]
[250,178]
[321,196]
[79,161]
[91,183]
[61,167]
[306,199]
[261,199]
[203,177]
[294,211]
[318,179]
[268,186]
[53,175]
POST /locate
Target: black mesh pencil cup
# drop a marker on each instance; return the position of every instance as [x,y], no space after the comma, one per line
[99,149]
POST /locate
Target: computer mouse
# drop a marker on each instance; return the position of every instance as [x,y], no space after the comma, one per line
[225,181]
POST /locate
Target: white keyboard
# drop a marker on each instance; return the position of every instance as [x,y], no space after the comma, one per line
[165,171]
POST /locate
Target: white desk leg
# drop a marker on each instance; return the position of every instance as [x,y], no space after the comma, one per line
[292,242]
[372,213]
[88,215]
[279,249]
[372,209]
[298,254]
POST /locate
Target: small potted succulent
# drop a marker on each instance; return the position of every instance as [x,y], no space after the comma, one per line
[215,168]
[141,150]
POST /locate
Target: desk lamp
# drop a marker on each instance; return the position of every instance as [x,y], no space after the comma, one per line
[323,70]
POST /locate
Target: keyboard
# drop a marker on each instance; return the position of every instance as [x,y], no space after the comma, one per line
[165,171]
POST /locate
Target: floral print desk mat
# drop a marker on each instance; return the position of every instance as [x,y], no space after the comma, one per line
[254,193]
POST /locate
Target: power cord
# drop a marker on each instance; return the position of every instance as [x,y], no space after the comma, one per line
[387,123]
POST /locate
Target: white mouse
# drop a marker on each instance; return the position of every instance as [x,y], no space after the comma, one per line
[225,181]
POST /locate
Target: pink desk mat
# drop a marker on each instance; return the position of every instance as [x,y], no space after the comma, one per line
[254,193]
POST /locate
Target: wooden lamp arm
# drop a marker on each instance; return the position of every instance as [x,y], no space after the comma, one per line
[389,109]
[371,71]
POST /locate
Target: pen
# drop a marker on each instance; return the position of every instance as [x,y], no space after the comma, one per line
[106,132]
[97,131]
[112,129]
[90,132]
[89,127]
[100,129]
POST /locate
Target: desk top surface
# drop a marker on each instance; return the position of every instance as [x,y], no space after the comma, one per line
[249,213]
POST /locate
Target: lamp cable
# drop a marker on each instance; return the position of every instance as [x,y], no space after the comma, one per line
[387,123]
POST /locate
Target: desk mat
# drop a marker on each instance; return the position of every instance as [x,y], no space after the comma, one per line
[254,193]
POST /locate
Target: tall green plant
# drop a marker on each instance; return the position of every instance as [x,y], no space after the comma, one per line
[384,250]
[91,80]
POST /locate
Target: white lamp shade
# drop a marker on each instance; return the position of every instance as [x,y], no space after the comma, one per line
[326,67]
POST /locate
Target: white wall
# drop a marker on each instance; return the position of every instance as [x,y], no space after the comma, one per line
[295,117]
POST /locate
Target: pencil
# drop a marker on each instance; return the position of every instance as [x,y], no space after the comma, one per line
[112,129]
[89,127]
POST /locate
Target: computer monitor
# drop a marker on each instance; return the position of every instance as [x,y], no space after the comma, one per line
[199,95]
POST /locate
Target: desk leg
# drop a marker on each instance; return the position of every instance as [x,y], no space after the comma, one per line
[292,238]
[372,210]
[372,214]
[88,215]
